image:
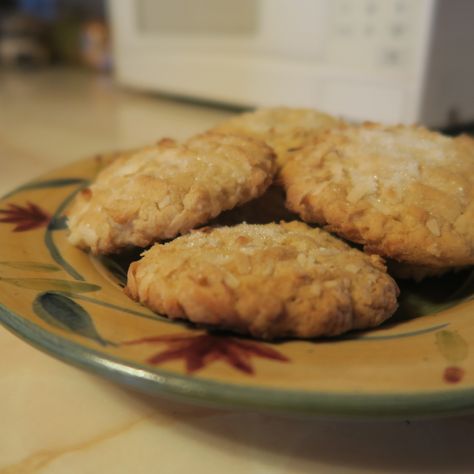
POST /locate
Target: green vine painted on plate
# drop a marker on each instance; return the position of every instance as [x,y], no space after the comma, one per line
[31,266]
[52,284]
[55,305]
[61,311]
[58,222]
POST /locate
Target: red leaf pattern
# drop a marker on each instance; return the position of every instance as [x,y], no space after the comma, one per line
[26,217]
[200,350]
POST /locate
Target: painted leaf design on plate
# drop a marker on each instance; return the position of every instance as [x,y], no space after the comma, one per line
[64,313]
[452,346]
[52,284]
[198,351]
[26,217]
[32,266]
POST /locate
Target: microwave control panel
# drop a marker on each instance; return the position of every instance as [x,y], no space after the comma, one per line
[372,33]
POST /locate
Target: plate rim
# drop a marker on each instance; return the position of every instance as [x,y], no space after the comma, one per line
[204,391]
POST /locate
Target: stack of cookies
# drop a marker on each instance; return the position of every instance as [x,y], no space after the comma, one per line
[403,194]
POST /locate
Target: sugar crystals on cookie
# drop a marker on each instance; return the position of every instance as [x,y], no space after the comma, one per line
[404,192]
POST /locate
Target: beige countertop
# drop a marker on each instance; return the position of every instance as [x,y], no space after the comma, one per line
[55,418]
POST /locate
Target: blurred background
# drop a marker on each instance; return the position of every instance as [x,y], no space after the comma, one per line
[89,75]
[60,98]
[41,33]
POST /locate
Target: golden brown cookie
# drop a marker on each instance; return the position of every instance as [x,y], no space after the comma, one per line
[165,190]
[403,192]
[272,280]
[283,128]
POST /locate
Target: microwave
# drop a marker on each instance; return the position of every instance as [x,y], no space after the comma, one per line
[392,61]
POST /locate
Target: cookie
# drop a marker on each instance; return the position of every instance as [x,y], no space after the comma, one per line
[404,192]
[164,190]
[283,128]
[269,281]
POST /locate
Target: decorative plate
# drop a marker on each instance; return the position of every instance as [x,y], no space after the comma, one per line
[72,306]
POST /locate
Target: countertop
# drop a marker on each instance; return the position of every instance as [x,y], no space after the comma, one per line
[55,418]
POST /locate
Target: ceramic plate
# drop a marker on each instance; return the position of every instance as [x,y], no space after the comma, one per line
[72,306]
